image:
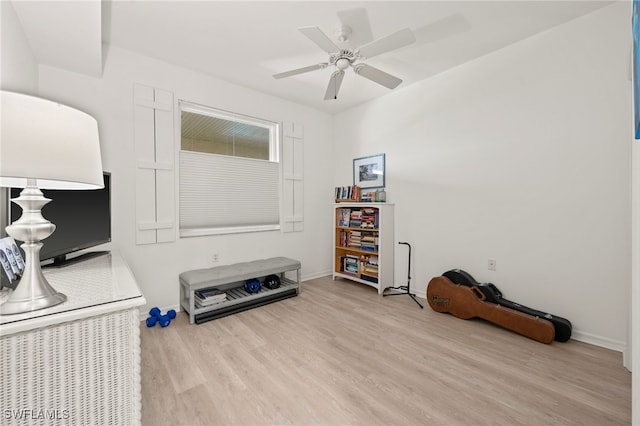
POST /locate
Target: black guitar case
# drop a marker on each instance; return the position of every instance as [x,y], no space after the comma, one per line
[562,325]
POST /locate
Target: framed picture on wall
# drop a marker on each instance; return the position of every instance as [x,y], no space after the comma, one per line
[368,172]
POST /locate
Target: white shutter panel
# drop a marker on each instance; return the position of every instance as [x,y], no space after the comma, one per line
[144,137]
[293,176]
[155,185]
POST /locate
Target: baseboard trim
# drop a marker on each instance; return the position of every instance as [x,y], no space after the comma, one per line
[600,341]
[316,275]
[144,312]
[581,336]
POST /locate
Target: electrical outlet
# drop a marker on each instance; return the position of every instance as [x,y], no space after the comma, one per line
[492,264]
[216,258]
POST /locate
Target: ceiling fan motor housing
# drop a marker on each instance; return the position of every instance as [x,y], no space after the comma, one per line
[343,59]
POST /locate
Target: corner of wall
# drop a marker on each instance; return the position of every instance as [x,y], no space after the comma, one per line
[18,65]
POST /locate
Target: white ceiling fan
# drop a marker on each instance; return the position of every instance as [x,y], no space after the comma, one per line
[345,58]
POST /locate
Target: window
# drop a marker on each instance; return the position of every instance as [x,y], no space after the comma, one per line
[229,172]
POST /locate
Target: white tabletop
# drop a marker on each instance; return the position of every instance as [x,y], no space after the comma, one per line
[94,286]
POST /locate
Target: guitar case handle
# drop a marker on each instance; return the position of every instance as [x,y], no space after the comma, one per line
[479,293]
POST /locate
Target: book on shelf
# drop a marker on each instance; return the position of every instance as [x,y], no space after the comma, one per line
[369,278]
[369,241]
[370,269]
[356,194]
[344,237]
[367,197]
[369,218]
[350,264]
[210,294]
[344,218]
[353,239]
[347,193]
[366,218]
[369,265]
[203,304]
[356,218]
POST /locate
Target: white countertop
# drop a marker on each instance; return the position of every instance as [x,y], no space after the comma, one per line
[94,286]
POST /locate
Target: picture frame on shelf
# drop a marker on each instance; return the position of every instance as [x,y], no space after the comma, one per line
[368,172]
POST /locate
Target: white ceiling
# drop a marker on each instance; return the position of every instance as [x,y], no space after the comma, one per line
[65,34]
[247,42]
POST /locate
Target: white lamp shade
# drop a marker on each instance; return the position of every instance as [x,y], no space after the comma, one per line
[55,144]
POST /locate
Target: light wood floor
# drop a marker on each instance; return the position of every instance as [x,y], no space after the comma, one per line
[339,354]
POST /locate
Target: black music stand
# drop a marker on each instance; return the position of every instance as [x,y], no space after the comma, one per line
[405,289]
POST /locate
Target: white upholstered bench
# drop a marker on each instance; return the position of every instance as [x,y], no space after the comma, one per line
[231,279]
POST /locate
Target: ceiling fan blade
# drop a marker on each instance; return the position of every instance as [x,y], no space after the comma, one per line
[300,70]
[358,20]
[316,35]
[393,41]
[334,85]
[374,74]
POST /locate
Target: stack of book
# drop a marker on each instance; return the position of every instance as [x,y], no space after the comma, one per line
[356,218]
[354,239]
[369,267]
[367,197]
[209,296]
[369,241]
[369,218]
[377,196]
[350,264]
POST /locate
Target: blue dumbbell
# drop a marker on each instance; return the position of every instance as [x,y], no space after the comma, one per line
[164,321]
[156,317]
[151,321]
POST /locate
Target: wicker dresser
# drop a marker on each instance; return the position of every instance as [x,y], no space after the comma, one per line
[77,362]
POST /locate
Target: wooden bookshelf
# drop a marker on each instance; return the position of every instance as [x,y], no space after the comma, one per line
[363,247]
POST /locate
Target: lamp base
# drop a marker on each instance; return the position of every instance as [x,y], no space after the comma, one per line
[41,296]
[33,292]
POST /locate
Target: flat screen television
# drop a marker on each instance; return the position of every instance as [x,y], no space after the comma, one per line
[82,219]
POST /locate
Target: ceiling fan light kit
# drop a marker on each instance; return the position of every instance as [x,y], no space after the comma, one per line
[342,63]
[342,59]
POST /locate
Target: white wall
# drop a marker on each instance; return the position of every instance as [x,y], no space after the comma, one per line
[18,73]
[522,156]
[157,266]
[18,67]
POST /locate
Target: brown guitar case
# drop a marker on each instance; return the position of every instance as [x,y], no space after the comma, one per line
[470,302]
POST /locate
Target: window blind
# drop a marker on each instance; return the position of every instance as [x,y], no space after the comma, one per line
[223,194]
